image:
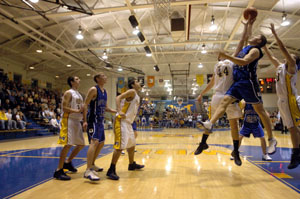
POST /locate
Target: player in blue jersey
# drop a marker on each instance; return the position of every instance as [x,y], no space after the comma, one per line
[93,122]
[246,86]
[252,126]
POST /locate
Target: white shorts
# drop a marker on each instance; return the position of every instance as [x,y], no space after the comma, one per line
[233,111]
[124,134]
[71,132]
[289,112]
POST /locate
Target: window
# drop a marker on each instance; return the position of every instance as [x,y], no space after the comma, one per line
[34,83]
[17,78]
[48,85]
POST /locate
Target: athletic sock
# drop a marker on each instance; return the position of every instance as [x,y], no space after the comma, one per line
[204,138]
[236,145]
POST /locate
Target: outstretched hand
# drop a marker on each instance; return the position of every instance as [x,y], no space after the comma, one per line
[272,28]
[199,99]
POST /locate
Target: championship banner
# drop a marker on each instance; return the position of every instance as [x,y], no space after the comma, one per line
[209,76]
[121,85]
[200,79]
[150,81]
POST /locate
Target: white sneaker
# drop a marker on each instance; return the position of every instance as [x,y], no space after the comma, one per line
[207,125]
[91,175]
[266,158]
[123,153]
[272,146]
[97,169]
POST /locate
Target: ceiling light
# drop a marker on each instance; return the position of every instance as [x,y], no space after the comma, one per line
[200,65]
[88,74]
[148,54]
[213,26]
[34,1]
[136,31]
[156,68]
[56,76]
[69,65]
[104,56]
[79,36]
[203,51]
[120,69]
[31,67]
[284,22]
[147,93]
[39,51]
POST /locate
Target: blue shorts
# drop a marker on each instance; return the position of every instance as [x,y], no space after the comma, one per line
[257,132]
[134,126]
[247,90]
[96,131]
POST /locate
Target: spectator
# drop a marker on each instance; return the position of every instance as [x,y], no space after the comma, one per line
[20,121]
[54,124]
[11,124]
[3,119]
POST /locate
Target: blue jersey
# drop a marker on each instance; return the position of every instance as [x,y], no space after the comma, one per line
[97,107]
[247,72]
[251,118]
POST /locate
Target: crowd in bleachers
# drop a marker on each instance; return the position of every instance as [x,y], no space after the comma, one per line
[22,102]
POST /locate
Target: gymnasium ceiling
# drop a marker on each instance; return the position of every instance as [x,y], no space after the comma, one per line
[53,30]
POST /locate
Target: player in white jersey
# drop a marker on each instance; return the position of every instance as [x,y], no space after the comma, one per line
[127,107]
[288,99]
[222,81]
[71,129]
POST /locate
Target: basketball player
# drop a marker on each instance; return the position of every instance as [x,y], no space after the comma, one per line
[127,107]
[252,126]
[71,129]
[245,85]
[288,99]
[93,122]
[221,81]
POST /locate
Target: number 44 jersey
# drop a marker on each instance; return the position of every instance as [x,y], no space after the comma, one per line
[223,76]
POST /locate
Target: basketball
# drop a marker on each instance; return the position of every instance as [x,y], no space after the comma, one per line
[251,11]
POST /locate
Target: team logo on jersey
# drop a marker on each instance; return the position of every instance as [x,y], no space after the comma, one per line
[91,130]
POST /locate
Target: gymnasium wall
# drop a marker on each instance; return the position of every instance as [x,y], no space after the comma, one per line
[10,68]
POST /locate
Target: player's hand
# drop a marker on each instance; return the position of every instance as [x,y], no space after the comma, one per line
[251,21]
[122,115]
[199,99]
[84,126]
[272,28]
[222,55]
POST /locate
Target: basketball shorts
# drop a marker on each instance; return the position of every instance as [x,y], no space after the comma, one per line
[96,131]
[290,111]
[247,90]
[70,132]
[256,132]
[134,126]
[233,111]
[124,135]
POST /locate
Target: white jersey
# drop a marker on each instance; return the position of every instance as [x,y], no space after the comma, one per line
[130,108]
[76,103]
[223,74]
[285,81]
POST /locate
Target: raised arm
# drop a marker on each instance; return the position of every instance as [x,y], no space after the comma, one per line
[207,88]
[250,57]
[273,59]
[290,60]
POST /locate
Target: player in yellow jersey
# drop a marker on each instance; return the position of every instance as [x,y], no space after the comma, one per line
[286,90]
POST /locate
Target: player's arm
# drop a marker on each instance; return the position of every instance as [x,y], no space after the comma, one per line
[273,59]
[66,104]
[128,94]
[290,60]
[250,57]
[207,88]
[110,109]
[92,93]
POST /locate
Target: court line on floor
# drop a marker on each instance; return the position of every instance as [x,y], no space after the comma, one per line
[281,180]
[26,150]
[24,156]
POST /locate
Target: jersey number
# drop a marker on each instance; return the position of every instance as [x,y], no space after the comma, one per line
[225,71]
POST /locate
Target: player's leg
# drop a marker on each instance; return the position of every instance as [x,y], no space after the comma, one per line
[295,159]
[59,173]
[259,109]
[236,143]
